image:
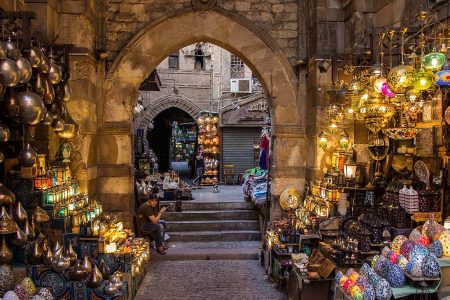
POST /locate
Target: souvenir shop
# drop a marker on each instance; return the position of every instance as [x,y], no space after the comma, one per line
[374,225]
[55,241]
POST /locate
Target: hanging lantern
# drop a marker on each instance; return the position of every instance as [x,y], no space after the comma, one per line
[422,80]
[412,95]
[333,128]
[343,141]
[442,78]
[200,120]
[70,128]
[376,112]
[399,78]
[378,83]
[434,60]
[385,90]
[323,140]
[350,169]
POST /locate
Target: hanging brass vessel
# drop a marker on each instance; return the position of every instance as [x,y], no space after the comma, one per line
[28,231]
[21,213]
[48,257]
[28,157]
[49,96]
[86,264]
[71,255]
[2,50]
[35,57]
[9,72]
[6,196]
[35,257]
[95,279]
[32,109]
[20,238]
[12,51]
[67,92]
[12,105]
[77,272]
[45,64]
[55,73]
[24,70]
[40,215]
[6,254]
[7,225]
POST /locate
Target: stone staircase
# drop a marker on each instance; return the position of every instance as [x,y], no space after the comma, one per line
[214,221]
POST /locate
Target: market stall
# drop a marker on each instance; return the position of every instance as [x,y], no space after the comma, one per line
[56,243]
[375,218]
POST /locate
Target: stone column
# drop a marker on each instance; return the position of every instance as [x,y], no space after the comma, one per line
[115,170]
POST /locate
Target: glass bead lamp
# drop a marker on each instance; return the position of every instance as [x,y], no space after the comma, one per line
[434,60]
[422,80]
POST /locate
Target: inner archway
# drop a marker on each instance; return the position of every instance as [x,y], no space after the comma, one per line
[148,48]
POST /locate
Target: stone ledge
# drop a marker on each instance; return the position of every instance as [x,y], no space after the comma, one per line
[114,170]
[122,128]
[289,172]
[117,202]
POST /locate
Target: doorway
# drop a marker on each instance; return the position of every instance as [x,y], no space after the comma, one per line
[173,140]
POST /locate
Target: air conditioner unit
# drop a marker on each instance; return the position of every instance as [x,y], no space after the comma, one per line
[241,85]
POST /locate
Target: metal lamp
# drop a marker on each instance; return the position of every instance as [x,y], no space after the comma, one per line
[350,168]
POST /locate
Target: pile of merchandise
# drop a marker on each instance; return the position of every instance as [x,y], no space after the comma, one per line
[255,185]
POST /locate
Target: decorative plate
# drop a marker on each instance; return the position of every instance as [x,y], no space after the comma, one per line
[447,115]
[290,199]
[55,282]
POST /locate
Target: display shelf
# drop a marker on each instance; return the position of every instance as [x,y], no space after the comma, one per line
[428,124]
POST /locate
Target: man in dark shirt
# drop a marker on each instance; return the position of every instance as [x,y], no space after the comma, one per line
[148,218]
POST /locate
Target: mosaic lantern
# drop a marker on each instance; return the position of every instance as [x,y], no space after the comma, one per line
[436,248]
[418,252]
[396,277]
[402,262]
[383,290]
[445,241]
[406,248]
[397,243]
[369,292]
[430,267]
[399,78]
[424,240]
[393,257]
[434,60]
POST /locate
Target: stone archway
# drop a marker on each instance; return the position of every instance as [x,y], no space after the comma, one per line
[164,103]
[148,48]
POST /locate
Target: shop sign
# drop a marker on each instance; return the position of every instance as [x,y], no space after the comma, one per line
[261,106]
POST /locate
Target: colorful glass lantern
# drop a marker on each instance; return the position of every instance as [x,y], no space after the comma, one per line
[445,241]
[323,140]
[434,60]
[399,78]
[412,95]
[442,78]
[385,90]
[422,80]
[343,141]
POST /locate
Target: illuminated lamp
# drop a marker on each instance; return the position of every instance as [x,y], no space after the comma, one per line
[378,83]
[442,78]
[323,140]
[343,141]
[422,80]
[434,60]
[399,78]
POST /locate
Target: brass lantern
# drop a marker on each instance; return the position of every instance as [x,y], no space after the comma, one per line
[376,112]
[399,78]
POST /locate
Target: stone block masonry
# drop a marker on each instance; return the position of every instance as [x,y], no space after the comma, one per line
[125,18]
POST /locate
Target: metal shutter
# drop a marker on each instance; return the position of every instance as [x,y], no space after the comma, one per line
[237,147]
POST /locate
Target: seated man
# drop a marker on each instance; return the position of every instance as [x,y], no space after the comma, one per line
[148,218]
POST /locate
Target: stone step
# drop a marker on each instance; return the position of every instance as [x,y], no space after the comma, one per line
[192,205]
[208,236]
[237,250]
[198,215]
[213,225]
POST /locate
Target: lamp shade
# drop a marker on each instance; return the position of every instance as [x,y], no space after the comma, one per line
[422,80]
[323,140]
[350,169]
[343,141]
[399,78]
[434,60]
[442,78]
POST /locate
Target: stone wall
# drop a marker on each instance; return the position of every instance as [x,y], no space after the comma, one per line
[125,18]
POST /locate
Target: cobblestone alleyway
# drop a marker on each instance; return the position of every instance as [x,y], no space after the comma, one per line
[206,279]
[206,265]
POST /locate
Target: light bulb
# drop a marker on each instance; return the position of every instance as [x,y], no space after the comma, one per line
[423,82]
[434,62]
[402,79]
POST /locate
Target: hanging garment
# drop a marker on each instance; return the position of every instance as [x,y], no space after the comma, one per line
[262,160]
